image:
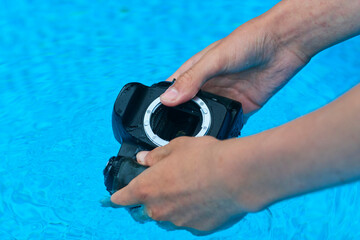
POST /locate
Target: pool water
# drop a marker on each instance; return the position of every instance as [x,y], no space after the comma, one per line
[62,64]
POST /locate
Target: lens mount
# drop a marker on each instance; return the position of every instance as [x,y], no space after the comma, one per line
[157,140]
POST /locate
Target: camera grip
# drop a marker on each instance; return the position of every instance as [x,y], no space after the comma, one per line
[128,171]
[120,171]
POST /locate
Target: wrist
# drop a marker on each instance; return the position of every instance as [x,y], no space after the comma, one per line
[290,27]
[243,166]
[306,27]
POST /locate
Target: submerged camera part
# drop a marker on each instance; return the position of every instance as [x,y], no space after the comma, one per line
[140,122]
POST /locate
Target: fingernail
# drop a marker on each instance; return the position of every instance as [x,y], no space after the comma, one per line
[170,95]
[140,157]
[148,212]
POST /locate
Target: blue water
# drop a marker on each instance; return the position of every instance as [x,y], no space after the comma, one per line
[62,64]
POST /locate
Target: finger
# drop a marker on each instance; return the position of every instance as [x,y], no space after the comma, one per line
[140,157]
[188,84]
[193,60]
[168,226]
[106,202]
[140,214]
[125,197]
[188,64]
[151,158]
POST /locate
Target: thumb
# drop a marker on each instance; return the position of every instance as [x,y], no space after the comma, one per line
[189,83]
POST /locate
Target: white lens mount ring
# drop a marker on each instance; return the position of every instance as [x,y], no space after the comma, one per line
[157,140]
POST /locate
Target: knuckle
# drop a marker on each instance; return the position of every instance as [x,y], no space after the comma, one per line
[142,193]
[187,77]
[160,150]
[209,138]
[179,140]
[150,157]
[157,154]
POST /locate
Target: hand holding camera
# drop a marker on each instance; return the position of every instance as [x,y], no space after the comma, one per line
[141,122]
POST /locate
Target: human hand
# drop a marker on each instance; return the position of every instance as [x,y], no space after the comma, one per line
[249,66]
[188,185]
[206,184]
[259,57]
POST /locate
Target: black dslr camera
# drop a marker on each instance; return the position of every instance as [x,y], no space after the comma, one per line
[140,122]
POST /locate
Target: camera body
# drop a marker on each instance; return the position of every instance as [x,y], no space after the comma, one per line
[140,122]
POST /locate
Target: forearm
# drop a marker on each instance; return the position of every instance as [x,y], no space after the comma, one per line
[319,150]
[308,27]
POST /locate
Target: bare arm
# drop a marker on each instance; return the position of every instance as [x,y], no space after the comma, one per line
[261,56]
[206,184]
[319,150]
[309,27]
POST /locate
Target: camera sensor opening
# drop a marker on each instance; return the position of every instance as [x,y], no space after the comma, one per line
[171,122]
